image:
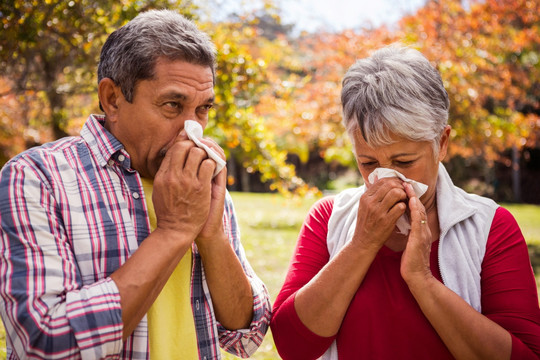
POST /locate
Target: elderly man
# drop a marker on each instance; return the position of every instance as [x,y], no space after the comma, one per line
[121,243]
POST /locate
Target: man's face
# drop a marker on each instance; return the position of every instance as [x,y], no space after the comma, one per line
[148,126]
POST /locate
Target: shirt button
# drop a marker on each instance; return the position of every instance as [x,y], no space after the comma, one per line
[136,195]
[121,158]
[110,162]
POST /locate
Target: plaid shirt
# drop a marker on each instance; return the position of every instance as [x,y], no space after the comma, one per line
[71,213]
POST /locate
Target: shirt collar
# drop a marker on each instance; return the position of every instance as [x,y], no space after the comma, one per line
[106,148]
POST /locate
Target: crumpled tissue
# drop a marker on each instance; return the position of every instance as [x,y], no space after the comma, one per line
[194,132]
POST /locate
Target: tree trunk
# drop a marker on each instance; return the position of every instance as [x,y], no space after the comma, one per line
[232,172]
[246,186]
[58,118]
[52,68]
[516,174]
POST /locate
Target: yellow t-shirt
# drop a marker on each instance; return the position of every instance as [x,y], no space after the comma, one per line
[171,328]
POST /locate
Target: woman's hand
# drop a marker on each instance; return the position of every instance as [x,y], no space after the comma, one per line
[322,303]
[379,209]
[467,333]
[415,260]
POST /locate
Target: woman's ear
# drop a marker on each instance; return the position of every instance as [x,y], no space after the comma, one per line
[109,96]
[443,143]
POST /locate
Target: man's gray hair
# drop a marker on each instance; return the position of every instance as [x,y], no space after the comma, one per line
[394,91]
[130,53]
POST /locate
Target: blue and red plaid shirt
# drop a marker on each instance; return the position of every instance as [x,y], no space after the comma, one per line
[71,213]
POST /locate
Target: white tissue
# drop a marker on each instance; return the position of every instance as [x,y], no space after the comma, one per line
[403,224]
[194,132]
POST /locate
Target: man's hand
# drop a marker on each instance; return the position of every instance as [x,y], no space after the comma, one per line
[182,198]
[183,189]
[229,286]
[213,228]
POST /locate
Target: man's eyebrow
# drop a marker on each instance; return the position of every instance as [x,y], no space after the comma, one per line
[179,96]
[173,95]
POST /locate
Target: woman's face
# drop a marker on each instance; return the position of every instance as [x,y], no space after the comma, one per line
[414,159]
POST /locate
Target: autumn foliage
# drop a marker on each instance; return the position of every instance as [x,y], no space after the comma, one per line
[488,56]
[278,95]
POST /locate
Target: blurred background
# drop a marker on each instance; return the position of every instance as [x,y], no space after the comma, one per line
[278,113]
[280,66]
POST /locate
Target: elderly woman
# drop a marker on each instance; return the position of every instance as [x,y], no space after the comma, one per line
[408,266]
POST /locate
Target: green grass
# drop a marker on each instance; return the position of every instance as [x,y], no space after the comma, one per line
[528,218]
[269,225]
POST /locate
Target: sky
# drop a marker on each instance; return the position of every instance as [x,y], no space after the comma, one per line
[331,15]
[341,14]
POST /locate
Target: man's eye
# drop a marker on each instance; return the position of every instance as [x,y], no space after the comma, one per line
[204,109]
[172,105]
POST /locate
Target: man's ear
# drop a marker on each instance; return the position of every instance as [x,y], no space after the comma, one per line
[109,97]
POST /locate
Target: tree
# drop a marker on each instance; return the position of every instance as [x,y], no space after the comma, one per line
[488,55]
[243,77]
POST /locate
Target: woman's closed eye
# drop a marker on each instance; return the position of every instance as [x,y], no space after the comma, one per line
[369,164]
[404,163]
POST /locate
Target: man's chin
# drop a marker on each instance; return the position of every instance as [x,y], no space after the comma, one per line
[154,166]
[150,171]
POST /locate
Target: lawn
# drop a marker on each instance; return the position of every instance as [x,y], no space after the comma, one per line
[269,225]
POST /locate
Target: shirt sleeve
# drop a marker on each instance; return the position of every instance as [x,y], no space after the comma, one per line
[292,338]
[509,292]
[46,311]
[245,342]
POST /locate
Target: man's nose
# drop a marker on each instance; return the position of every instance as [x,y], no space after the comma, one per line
[181,123]
[181,135]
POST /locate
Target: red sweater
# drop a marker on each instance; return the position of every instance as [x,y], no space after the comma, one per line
[384,321]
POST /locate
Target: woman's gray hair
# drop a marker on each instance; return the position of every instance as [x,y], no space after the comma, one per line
[130,53]
[394,91]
